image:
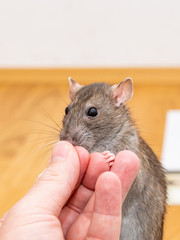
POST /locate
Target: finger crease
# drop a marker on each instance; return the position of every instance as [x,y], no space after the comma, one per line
[87,214]
[74,208]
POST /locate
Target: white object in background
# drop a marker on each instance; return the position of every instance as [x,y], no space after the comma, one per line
[173,188]
[171,156]
[171,144]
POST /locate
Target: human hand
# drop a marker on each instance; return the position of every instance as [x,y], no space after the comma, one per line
[73,198]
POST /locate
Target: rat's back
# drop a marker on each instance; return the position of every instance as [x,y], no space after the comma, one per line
[144,207]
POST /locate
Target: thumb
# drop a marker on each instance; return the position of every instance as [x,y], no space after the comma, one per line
[53,188]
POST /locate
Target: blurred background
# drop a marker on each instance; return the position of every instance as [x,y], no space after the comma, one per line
[43,42]
[67,33]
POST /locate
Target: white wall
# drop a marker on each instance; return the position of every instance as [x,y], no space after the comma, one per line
[93,33]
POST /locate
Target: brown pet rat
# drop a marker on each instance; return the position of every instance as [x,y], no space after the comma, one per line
[98,119]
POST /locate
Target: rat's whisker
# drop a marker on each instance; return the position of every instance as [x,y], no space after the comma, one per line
[45,153]
[44,133]
[66,101]
[41,141]
[51,143]
[43,124]
[50,118]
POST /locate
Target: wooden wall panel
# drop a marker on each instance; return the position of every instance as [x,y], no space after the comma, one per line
[162,76]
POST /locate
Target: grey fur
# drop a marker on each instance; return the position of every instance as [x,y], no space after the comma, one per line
[114,130]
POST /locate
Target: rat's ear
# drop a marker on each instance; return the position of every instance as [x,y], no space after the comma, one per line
[123,91]
[73,87]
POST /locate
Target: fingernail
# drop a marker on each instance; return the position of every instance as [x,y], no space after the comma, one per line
[40,174]
[60,150]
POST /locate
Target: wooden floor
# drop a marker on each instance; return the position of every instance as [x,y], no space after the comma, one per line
[27,127]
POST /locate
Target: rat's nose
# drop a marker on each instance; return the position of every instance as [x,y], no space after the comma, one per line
[67,137]
[73,138]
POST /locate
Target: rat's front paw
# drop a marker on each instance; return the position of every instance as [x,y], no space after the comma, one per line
[110,157]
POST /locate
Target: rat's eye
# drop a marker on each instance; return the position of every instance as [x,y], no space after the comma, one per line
[92,112]
[66,110]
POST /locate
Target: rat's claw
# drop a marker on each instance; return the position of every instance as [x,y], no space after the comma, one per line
[110,164]
[110,157]
[106,152]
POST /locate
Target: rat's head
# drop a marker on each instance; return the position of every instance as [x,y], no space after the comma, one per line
[96,113]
